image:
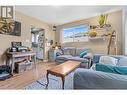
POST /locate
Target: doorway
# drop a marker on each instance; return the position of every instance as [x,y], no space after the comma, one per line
[38,46]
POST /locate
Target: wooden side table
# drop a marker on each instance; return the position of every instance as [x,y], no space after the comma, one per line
[52,55]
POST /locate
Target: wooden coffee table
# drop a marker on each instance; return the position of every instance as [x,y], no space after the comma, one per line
[62,70]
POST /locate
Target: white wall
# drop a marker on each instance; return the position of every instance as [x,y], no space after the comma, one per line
[114,18]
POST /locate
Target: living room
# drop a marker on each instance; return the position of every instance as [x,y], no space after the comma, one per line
[62,41]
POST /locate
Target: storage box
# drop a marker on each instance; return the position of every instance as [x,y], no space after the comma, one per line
[20,67]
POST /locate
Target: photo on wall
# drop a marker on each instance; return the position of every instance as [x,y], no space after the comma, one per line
[10,27]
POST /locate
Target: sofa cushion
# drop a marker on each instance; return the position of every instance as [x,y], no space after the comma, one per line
[108,60]
[69,51]
[122,62]
[64,57]
[77,58]
[111,69]
[66,51]
[72,51]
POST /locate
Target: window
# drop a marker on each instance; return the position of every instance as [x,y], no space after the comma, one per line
[76,34]
[35,37]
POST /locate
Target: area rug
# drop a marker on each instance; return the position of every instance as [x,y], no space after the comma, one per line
[54,83]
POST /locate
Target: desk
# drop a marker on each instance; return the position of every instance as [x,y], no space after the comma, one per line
[13,55]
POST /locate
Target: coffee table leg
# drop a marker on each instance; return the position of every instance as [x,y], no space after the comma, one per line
[47,79]
[63,80]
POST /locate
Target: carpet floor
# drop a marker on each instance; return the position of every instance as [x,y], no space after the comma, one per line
[54,83]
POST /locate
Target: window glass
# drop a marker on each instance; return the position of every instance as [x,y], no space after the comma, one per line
[76,34]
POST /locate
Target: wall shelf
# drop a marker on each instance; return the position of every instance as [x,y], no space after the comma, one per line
[95,38]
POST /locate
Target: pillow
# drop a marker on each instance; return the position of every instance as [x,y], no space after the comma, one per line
[88,55]
[59,52]
[108,60]
[111,69]
[122,62]
[83,53]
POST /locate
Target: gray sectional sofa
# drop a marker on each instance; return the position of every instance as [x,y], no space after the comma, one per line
[92,79]
[73,54]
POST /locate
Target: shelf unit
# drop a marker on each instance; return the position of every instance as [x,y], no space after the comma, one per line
[110,38]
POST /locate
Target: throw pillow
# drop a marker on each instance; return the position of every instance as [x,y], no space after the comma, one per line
[83,53]
[108,60]
[59,52]
[111,69]
[122,62]
[88,55]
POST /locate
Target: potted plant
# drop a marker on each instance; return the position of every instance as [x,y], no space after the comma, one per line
[102,20]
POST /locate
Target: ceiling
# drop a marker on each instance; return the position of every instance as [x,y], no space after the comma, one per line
[58,15]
